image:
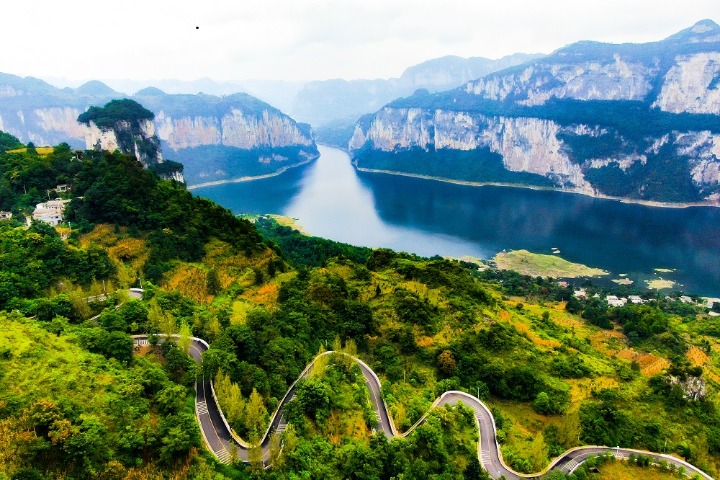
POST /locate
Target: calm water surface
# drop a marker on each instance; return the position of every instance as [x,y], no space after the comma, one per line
[332,200]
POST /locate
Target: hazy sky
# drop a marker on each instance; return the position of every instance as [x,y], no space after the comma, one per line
[309,39]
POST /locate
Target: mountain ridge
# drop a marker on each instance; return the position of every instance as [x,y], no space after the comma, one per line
[637,121]
[241,135]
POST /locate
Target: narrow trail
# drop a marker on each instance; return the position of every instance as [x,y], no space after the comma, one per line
[226,445]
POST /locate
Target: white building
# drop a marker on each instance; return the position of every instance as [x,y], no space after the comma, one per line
[636,299]
[614,301]
[50,212]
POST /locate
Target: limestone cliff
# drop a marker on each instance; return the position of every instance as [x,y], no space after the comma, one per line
[122,125]
[217,138]
[634,121]
[221,138]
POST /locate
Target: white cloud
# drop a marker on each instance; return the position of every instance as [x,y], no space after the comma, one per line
[309,39]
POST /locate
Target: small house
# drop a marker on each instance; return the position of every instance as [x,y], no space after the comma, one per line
[614,301]
[5,215]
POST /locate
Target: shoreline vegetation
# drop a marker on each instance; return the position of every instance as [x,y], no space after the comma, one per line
[537,264]
[647,203]
[251,178]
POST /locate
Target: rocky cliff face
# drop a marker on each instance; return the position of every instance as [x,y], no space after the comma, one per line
[234,129]
[126,126]
[133,139]
[217,138]
[221,138]
[636,121]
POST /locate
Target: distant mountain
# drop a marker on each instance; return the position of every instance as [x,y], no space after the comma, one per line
[451,71]
[637,121]
[216,138]
[333,101]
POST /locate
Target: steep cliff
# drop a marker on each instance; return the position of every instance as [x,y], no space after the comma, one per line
[217,138]
[221,138]
[636,121]
[127,126]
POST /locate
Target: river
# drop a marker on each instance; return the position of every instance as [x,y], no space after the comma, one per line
[333,200]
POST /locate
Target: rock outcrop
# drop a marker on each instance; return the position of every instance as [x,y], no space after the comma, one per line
[634,121]
[127,126]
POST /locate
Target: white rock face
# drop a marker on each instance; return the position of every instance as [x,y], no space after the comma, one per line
[101,139]
[234,129]
[531,145]
[8,91]
[704,150]
[60,120]
[525,144]
[187,132]
[535,85]
[687,85]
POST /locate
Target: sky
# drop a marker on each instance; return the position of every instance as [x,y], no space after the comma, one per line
[304,40]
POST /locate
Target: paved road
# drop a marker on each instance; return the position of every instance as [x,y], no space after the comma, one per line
[226,446]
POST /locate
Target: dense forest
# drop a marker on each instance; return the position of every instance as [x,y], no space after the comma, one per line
[78,401]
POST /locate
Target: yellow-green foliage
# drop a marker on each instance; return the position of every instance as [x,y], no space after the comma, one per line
[128,254]
[231,401]
[49,383]
[536,264]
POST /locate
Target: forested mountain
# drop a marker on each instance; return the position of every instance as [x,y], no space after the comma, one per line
[78,401]
[634,121]
[216,138]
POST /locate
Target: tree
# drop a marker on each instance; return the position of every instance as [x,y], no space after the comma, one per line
[178,433]
[446,363]
[313,395]
[213,282]
[256,417]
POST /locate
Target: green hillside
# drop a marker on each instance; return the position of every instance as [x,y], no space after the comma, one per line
[76,401]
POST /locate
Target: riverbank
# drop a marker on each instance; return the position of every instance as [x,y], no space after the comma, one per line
[648,203]
[252,178]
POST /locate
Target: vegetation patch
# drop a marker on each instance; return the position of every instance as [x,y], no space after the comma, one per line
[660,284]
[536,264]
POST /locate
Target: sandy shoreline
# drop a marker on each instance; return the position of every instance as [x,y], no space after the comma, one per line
[249,178]
[649,203]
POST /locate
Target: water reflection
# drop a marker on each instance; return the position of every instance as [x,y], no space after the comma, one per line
[332,200]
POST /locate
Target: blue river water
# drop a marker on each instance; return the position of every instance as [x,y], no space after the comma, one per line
[333,200]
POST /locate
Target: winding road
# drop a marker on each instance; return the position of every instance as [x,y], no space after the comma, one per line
[227,446]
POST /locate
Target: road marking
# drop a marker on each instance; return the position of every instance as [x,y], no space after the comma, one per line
[571,466]
[223,455]
[202,408]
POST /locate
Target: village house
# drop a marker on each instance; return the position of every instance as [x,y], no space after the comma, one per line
[636,299]
[5,215]
[580,293]
[614,301]
[50,212]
